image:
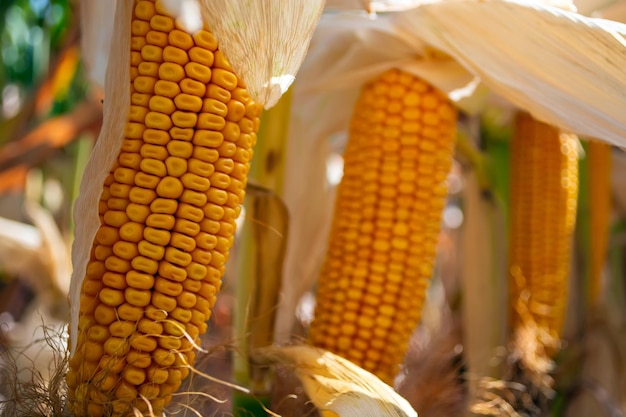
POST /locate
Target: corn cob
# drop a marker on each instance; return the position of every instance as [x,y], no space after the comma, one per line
[167,220]
[387,219]
[599,154]
[544,187]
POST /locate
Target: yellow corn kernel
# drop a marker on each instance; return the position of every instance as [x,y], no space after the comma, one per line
[216,101]
[171,71]
[206,154]
[144,264]
[163,302]
[116,346]
[176,166]
[166,88]
[180,39]
[114,280]
[137,298]
[367,283]
[163,357]
[170,187]
[140,28]
[138,359]
[153,52]
[137,213]
[187,227]
[122,329]
[195,182]
[193,88]
[163,105]
[129,312]
[157,237]
[191,285]
[168,287]
[172,54]
[198,72]
[155,136]
[172,272]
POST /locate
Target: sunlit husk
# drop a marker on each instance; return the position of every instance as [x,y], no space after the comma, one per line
[579,84]
[102,158]
[336,384]
[261,41]
[96,38]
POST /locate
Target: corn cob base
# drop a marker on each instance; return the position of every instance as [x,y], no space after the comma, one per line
[386,223]
[167,214]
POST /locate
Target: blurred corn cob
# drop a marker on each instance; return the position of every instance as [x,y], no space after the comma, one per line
[167,213]
[386,224]
[544,186]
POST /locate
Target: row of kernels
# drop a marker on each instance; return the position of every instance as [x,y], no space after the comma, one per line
[366,296]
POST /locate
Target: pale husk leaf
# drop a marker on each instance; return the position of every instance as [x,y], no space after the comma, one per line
[96,18]
[336,384]
[563,68]
[103,156]
[265,41]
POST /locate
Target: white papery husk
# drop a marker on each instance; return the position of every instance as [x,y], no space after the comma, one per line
[264,41]
[564,68]
[336,384]
[102,157]
[96,38]
[258,38]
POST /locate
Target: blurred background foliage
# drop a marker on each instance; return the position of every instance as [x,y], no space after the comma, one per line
[32,34]
[44,142]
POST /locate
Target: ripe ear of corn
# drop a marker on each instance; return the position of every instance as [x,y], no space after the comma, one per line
[544,187]
[386,224]
[167,219]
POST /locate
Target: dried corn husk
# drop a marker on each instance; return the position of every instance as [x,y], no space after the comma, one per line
[265,41]
[96,38]
[102,158]
[336,384]
[562,67]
